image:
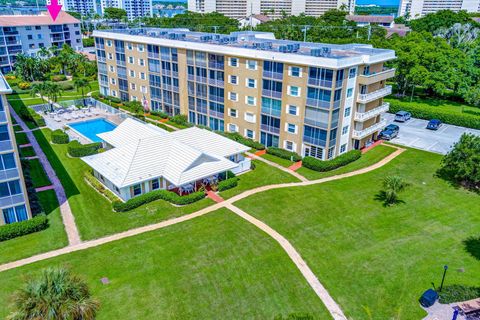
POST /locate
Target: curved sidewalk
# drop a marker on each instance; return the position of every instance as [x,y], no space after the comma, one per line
[67,216]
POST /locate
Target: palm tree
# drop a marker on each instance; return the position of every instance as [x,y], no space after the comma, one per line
[56,295]
[392,185]
[44,53]
[80,85]
[39,88]
[53,91]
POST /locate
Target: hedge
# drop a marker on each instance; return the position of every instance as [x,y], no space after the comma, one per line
[17,229]
[245,141]
[60,137]
[227,184]
[340,161]
[157,195]
[284,154]
[58,77]
[30,115]
[456,293]
[76,149]
[427,112]
[100,187]
[160,114]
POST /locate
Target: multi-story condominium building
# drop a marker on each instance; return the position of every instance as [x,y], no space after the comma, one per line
[274,8]
[84,7]
[135,8]
[419,8]
[13,195]
[28,34]
[311,98]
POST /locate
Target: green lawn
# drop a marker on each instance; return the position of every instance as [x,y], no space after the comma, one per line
[77,94]
[27,152]
[52,238]
[93,213]
[19,100]
[21,138]
[371,157]
[283,162]
[447,105]
[213,267]
[39,177]
[372,259]
[262,175]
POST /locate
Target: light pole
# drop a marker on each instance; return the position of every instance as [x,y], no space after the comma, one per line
[445,268]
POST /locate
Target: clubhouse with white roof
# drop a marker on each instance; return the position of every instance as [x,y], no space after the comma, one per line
[141,158]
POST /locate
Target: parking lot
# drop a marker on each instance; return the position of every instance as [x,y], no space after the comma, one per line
[413,133]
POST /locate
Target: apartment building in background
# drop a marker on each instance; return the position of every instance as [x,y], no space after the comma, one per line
[134,8]
[13,192]
[314,99]
[29,33]
[239,9]
[419,8]
[84,7]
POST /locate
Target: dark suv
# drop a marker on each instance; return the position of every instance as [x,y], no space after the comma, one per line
[390,132]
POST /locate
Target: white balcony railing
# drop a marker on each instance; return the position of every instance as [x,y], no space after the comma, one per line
[360,134]
[368,97]
[363,116]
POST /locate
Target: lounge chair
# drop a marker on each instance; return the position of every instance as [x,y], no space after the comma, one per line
[67,116]
[88,114]
[96,111]
[57,118]
[74,115]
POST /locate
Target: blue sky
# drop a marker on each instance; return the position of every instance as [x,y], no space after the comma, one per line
[379,2]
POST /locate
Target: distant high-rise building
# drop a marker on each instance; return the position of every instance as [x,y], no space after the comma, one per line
[135,8]
[13,191]
[273,8]
[84,7]
[418,8]
[29,33]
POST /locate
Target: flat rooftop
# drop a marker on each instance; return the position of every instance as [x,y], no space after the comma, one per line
[36,20]
[260,44]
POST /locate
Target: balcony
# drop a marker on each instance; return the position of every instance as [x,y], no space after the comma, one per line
[273,75]
[316,103]
[271,93]
[363,116]
[360,134]
[271,129]
[216,114]
[376,77]
[215,65]
[320,83]
[369,97]
[215,82]
[13,42]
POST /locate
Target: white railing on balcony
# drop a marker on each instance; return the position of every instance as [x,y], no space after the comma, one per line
[360,134]
[367,97]
[362,116]
[373,74]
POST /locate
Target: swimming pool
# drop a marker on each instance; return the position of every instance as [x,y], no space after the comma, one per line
[89,129]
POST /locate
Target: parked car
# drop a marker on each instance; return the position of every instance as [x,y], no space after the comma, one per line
[434,124]
[390,132]
[402,116]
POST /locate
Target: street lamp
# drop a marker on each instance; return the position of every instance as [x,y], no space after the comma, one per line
[445,267]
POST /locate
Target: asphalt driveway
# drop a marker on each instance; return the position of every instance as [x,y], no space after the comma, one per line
[413,133]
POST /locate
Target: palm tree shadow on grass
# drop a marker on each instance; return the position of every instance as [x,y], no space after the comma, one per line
[472,246]
[382,197]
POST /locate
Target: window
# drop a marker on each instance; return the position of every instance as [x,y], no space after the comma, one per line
[39,36]
[291,128]
[331,152]
[249,134]
[345,130]
[294,91]
[292,110]
[137,189]
[28,28]
[249,117]
[140,47]
[132,73]
[343,148]
[347,112]
[4,136]
[251,101]
[155,184]
[129,46]
[133,86]
[233,62]
[251,83]
[233,79]
[10,188]
[352,73]
[112,68]
[131,60]
[349,92]
[113,81]
[143,89]
[7,161]
[109,43]
[142,75]
[38,27]
[232,127]
[251,64]
[295,71]
[141,62]
[233,113]
[289,145]
[114,93]
[110,56]
[30,37]
[15,214]
[233,96]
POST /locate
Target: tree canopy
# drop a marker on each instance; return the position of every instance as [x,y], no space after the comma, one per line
[114,14]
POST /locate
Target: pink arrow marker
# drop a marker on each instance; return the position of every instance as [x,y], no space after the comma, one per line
[54,9]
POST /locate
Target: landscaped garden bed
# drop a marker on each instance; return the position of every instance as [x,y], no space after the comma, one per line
[37,173]
[27,152]
[21,138]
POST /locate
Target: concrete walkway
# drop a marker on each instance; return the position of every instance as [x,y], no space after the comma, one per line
[276,165]
[67,216]
[215,197]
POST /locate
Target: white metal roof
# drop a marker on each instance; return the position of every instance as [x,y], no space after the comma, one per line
[130,131]
[180,157]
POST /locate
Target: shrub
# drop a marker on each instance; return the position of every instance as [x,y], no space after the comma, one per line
[223,175]
[67,85]
[427,112]
[456,293]
[10,77]
[180,119]
[88,42]
[30,115]
[340,161]
[228,184]
[284,154]
[58,77]
[24,85]
[474,112]
[169,196]
[245,141]
[160,114]
[114,99]
[17,229]
[100,187]
[76,149]
[60,137]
